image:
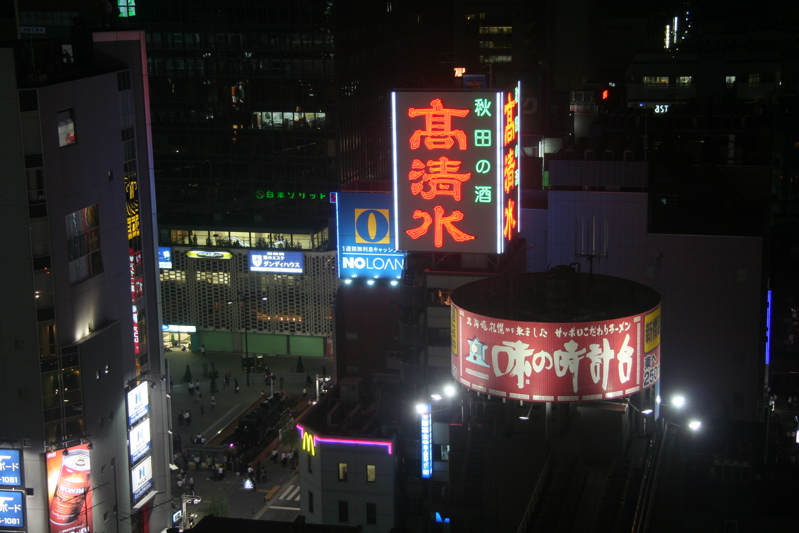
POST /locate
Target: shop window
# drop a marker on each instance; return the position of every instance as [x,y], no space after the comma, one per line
[342,471]
[371,474]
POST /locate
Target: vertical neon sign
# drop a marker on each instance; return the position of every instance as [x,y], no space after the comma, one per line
[511,164]
[427,441]
[768,330]
[448,164]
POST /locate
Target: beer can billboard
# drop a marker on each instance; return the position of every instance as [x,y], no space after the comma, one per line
[556,362]
[69,484]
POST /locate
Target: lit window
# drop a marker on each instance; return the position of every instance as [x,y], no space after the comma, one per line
[342,471]
[684,80]
[754,78]
[729,80]
[66,127]
[656,81]
[371,474]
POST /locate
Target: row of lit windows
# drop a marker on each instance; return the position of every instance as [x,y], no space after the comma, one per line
[663,81]
[270,39]
[491,30]
[496,59]
[247,239]
[343,472]
[318,67]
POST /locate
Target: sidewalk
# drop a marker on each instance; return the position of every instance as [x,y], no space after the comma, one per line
[209,422]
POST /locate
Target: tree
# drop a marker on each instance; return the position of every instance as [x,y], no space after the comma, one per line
[300,366]
[187,375]
[289,435]
[217,506]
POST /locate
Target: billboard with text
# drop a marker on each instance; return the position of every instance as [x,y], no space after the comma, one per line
[365,237]
[556,362]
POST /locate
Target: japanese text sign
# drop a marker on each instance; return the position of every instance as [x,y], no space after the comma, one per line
[511,163]
[12,510]
[365,244]
[10,468]
[555,362]
[427,441]
[276,261]
[448,167]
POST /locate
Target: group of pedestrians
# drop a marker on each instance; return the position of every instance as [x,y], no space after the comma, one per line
[285,457]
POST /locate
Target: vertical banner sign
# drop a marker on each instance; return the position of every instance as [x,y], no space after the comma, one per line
[448,171]
[69,483]
[511,164]
[427,442]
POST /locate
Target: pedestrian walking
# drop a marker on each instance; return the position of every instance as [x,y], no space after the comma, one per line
[283,459]
[191,485]
[202,349]
[180,418]
[308,380]
[176,442]
[220,473]
[236,384]
[213,401]
[304,392]
[187,416]
[191,388]
[274,456]
[202,409]
[282,381]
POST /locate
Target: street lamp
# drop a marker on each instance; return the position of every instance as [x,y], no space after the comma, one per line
[239,300]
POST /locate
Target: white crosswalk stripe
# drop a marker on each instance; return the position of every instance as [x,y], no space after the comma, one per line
[290,494]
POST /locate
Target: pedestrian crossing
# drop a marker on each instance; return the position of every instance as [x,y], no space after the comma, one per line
[292,494]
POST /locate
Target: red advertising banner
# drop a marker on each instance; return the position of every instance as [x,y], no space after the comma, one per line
[556,362]
[69,484]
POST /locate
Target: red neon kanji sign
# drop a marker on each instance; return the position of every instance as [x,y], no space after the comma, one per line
[441,177]
[510,119]
[441,223]
[510,219]
[438,130]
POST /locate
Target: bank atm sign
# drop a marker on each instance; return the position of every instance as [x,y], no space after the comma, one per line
[365,243]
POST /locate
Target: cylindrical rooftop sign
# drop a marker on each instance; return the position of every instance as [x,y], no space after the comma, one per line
[527,338]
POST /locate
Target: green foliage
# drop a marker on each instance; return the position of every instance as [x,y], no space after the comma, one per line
[187,375]
[289,435]
[217,506]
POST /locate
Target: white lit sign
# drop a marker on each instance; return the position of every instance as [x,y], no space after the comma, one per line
[138,403]
[140,443]
[141,478]
[427,442]
[276,261]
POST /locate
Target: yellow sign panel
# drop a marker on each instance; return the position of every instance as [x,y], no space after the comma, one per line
[307,443]
[652,330]
[208,254]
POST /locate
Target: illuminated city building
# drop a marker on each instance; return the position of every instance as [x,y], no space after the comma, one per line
[84,427]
